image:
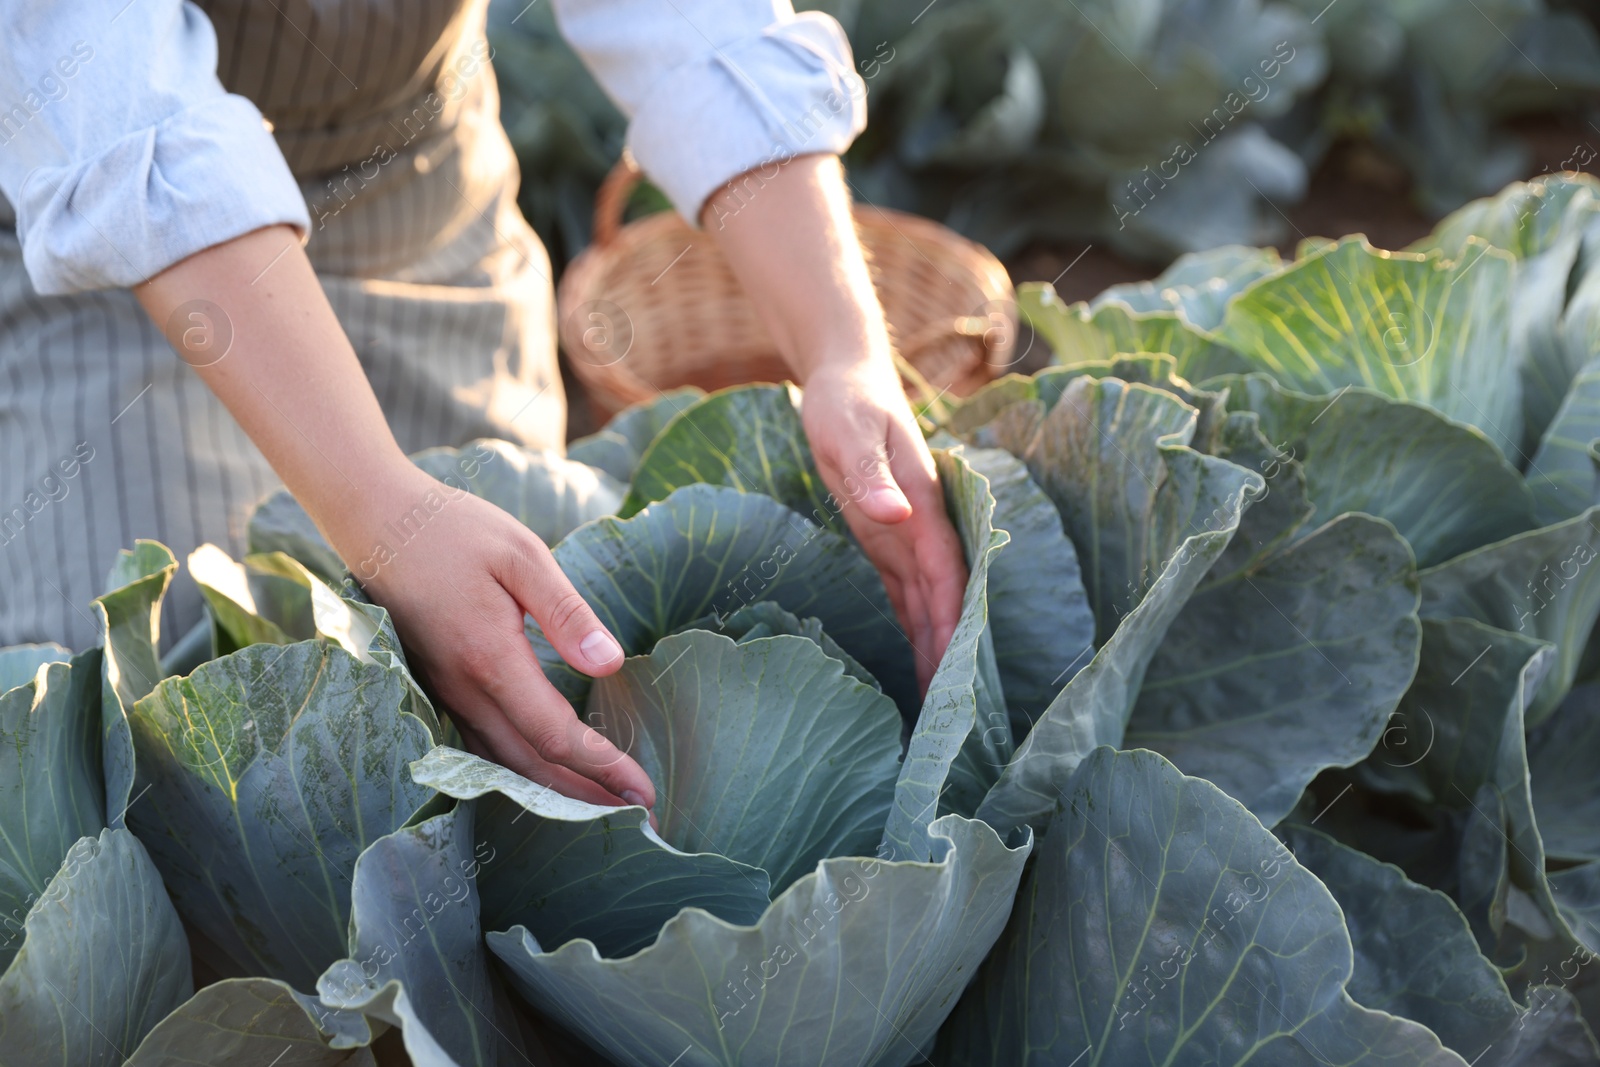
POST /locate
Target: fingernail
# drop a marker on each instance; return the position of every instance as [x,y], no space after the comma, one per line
[600,649]
[888,496]
[634,798]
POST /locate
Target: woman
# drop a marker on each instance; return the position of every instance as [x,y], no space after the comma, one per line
[349,279]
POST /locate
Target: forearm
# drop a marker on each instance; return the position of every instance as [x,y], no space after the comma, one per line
[792,244]
[288,375]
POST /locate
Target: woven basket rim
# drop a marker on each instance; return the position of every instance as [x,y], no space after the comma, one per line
[614,385]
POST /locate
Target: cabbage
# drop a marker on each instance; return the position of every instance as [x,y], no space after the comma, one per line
[1267,732]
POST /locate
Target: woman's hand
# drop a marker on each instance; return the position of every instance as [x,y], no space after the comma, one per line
[791,241]
[874,460]
[458,587]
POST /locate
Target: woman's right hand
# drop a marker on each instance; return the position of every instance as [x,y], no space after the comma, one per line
[459,584]
[458,588]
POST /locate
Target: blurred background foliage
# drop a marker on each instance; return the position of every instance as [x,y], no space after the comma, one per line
[1146,127]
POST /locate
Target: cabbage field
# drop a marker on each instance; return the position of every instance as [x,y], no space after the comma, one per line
[1154,127]
[1269,733]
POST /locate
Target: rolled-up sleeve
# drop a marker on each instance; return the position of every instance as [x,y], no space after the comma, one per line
[714,88]
[120,150]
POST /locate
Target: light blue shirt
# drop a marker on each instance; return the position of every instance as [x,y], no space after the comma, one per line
[122,154]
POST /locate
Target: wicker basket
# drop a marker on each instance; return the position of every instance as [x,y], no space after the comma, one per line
[652,305]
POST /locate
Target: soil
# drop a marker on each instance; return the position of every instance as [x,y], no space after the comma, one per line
[1355,190]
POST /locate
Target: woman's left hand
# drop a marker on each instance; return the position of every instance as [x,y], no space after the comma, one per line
[790,240]
[875,462]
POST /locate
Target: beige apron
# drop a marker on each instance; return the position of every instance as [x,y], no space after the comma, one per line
[387,112]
